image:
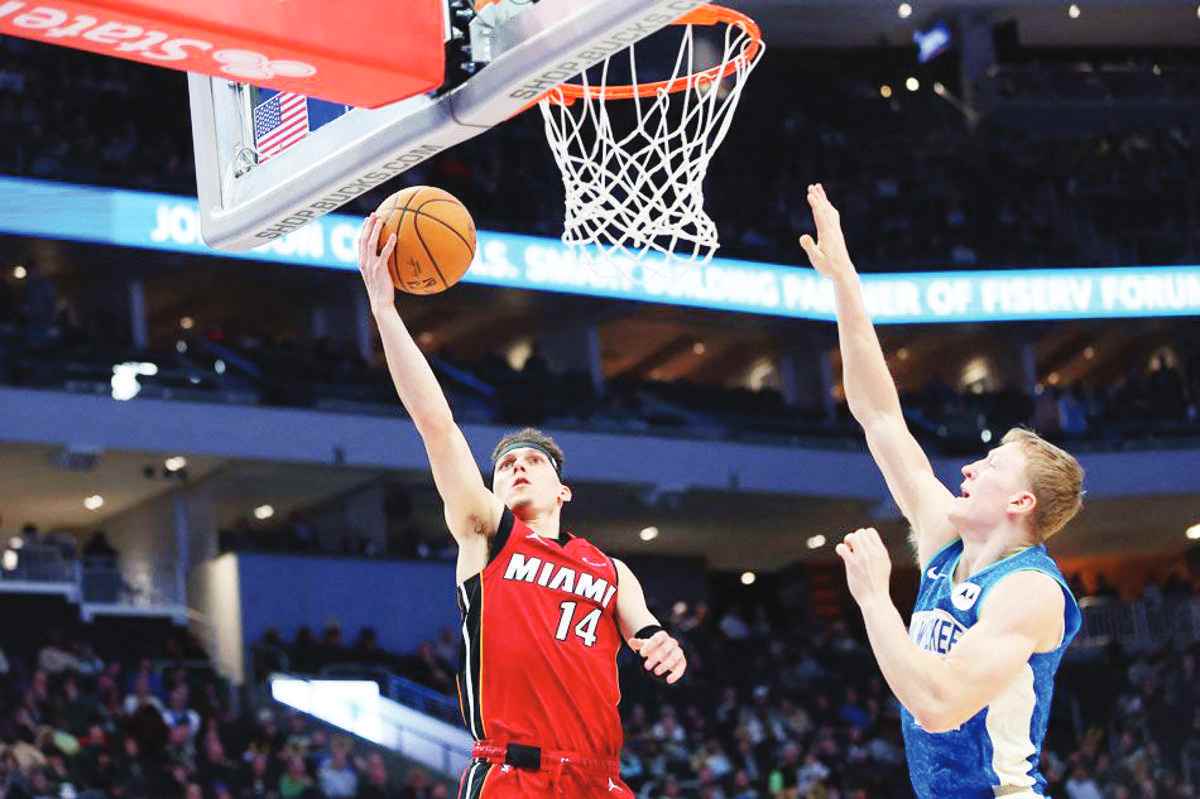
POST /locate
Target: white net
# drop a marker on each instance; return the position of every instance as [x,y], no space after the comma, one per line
[634,184]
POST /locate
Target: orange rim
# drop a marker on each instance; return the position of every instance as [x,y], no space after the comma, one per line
[707,15]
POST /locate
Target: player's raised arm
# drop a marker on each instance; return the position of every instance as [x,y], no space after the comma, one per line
[871,392]
[471,509]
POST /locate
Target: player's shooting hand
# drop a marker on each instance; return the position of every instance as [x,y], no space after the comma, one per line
[868,565]
[662,655]
[373,263]
[828,254]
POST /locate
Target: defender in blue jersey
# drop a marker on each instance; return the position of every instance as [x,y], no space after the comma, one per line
[975,668]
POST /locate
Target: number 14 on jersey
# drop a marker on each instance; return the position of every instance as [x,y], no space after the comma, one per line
[585,629]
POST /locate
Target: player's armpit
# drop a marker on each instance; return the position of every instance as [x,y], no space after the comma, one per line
[1023,615]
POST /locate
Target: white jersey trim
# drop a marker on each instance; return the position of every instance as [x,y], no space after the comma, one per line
[1009,724]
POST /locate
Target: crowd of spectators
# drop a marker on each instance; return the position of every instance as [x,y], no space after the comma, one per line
[1154,399]
[930,189]
[800,709]
[74,725]
[432,664]
[778,703]
[778,708]
[58,556]
[1139,397]
[920,185]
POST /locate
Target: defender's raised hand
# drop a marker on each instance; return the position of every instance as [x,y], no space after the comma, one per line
[868,565]
[828,254]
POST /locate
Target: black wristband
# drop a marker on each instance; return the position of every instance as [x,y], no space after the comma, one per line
[649,630]
[645,633]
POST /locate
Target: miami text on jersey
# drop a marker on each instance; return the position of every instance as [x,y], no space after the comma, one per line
[559,578]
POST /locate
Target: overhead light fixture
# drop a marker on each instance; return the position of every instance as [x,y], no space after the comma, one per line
[939,89]
[94,502]
[1073,11]
[219,366]
[815,541]
[264,512]
[125,385]
[748,578]
[176,463]
[885,91]
[19,272]
[9,561]
[905,11]
[985,436]
[1193,532]
[912,84]
[648,534]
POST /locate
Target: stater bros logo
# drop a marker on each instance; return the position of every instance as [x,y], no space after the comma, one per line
[126,39]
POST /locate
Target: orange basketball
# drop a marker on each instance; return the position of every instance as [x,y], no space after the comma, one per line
[435,239]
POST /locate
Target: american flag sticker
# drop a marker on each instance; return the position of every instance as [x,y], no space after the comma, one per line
[279,122]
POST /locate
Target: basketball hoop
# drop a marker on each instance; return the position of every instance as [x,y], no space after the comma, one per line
[640,190]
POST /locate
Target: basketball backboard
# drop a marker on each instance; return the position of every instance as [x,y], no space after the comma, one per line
[268,162]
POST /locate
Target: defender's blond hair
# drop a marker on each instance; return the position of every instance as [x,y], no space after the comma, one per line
[1055,477]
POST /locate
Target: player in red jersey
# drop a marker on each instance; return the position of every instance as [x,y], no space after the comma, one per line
[544,612]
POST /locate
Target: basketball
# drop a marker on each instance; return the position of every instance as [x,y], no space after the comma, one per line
[435,239]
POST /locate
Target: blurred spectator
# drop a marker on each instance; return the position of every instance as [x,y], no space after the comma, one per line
[98,546]
[179,714]
[55,657]
[269,655]
[141,696]
[337,776]
[447,645]
[375,782]
[295,782]
[431,670]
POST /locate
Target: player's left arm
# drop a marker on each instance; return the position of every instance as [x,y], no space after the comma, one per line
[1022,614]
[659,650]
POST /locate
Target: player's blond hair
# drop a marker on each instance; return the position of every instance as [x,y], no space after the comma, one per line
[1055,477]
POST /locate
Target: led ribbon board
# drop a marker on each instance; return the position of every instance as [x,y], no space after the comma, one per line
[164,222]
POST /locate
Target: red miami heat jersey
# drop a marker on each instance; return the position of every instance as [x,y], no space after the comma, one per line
[540,644]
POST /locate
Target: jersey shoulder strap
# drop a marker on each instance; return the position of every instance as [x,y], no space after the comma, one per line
[503,533]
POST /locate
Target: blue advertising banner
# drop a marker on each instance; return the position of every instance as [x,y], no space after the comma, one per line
[165,222]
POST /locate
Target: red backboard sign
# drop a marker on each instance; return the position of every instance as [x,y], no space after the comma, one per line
[366,54]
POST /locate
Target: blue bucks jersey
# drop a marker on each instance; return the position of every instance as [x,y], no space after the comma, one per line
[996,752]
